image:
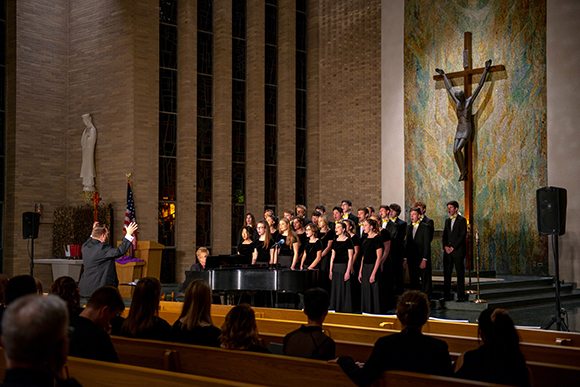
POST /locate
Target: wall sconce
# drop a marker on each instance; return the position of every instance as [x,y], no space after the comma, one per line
[38,209]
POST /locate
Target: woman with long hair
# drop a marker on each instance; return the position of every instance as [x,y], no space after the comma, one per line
[272,221]
[326,236]
[249,221]
[263,252]
[340,269]
[387,283]
[246,247]
[195,325]
[408,350]
[313,252]
[143,321]
[67,289]
[240,331]
[298,225]
[499,360]
[287,254]
[372,253]
[355,284]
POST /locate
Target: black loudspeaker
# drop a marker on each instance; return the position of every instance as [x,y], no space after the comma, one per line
[551,210]
[30,223]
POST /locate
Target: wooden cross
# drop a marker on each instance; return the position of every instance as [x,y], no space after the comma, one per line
[96,199]
[467,75]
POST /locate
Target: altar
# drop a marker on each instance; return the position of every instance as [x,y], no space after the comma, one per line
[63,267]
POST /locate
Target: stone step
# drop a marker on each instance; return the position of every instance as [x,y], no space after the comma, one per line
[519,302]
[524,292]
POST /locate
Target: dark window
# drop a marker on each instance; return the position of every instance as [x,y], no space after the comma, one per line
[239,59]
[238,183]
[271,105]
[204,53]
[271,65]
[203,225]
[204,169]
[239,142]
[168,90]
[270,185]
[168,11]
[167,134]
[301,109]
[167,224]
[271,145]
[301,149]
[238,100]
[205,15]
[239,19]
[167,46]
[238,217]
[204,138]
[167,178]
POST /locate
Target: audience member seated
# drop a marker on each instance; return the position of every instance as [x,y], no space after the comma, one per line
[240,331]
[18,286]
[39,289]
[408,350]
[3,283]
[143,321]
[499,359]
[35,341]
[308,341]
[195,325]
[90,339]
[67,289]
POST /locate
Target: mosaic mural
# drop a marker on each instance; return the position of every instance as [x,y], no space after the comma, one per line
[509,143]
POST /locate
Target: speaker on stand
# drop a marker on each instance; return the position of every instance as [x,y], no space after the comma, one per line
[30,224]
[551,207]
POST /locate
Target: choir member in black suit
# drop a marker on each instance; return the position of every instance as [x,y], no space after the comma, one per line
[337,215]
[313,252]
[340,268]
[289,214]
[247,246]
[315,216]
[263,252]
[384,213]
[287,252]
[346,206]
[301,212]
[369,275]
[363,213]
[397,228]
[418,253]
[454,235]
[408,350]
[429,222]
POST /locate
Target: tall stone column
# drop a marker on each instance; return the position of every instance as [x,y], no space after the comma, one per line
[286,105]
[186,137]
[222,128]
[255,84]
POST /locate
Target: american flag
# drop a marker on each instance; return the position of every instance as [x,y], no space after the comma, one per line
[130,213]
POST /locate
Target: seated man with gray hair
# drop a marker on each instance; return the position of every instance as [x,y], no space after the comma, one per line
[35,341]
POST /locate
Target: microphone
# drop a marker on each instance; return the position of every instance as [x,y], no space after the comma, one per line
[280,242]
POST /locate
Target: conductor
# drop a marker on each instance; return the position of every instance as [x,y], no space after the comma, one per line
[99,259]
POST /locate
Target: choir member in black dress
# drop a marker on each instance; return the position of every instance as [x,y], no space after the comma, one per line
[313,251]
[250,221]
[263,252]
[408,350]
[240,331]
[195,325]
[354,284]
[326,237]
[386,284]
[287,252]
[298,224]
[273,223]
[372,253]
[247,246]
[340,269]
[143,321]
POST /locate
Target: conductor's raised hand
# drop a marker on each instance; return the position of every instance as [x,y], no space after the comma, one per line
[131,228]
[439,71]
[488,64]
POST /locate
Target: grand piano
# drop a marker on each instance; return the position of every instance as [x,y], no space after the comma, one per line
[228,276]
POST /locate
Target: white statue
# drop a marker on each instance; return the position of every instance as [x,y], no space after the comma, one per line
[88,141]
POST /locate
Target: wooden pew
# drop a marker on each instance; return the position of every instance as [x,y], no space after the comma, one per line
[528,335]
[347,338]
[289,371]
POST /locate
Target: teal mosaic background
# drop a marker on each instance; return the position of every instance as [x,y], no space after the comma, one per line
[509,149]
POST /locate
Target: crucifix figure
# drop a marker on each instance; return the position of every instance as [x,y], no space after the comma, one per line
[463,105]
[462,148]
